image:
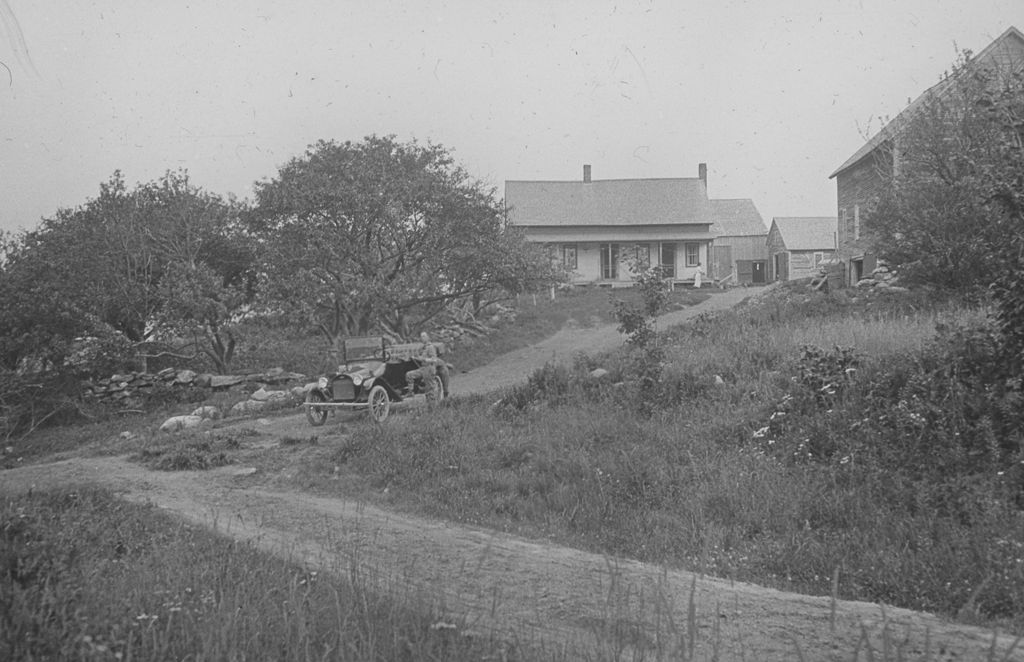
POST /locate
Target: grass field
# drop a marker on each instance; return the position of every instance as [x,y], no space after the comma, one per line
[783,444]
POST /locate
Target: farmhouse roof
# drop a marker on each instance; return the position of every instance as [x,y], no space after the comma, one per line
[807,233]
[608,202]
[736,218]
[1002,53]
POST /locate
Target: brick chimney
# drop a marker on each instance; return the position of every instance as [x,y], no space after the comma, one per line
[702,172]
[586,173]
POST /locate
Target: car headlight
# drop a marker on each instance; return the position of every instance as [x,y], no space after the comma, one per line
[357,379]
[322,382]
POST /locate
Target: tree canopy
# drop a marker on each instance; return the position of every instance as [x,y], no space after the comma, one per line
[382,235]
[118,265]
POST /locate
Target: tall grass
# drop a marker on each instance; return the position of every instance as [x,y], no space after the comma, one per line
[84,575]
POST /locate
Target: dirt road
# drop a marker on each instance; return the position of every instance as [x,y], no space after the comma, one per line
[608,608]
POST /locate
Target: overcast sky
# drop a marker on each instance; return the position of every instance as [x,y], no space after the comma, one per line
[772,94]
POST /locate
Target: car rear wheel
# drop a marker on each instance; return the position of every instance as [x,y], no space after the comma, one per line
[380,403]
[316,416]
[436,394]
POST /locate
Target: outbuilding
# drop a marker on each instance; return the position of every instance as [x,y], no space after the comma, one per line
[798,245]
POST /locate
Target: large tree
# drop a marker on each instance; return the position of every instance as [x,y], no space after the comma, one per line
[381,235]
[116,264]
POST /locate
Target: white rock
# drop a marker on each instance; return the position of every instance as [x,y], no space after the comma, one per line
[207,411]
[175,423]
[719,381]
[598,373]
[246,406]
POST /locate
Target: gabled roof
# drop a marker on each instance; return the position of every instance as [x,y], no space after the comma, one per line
[1006,51]
[807,233]
[608,202]
[736,218]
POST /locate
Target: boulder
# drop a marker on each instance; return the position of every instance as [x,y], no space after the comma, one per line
[185,377]
[176,423]
[598,373]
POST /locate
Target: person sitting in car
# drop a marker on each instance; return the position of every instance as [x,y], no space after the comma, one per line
[430,364]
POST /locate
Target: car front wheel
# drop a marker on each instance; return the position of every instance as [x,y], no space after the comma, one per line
[380,403]
[316,416]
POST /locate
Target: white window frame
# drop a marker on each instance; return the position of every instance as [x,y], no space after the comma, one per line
[695,247]
[856,222]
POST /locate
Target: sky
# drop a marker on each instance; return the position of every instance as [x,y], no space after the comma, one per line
[772,94]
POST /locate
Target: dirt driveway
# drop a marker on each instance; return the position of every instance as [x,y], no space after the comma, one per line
[608,608]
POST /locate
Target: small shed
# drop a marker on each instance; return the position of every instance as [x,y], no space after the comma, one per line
[739,253]
[798,245]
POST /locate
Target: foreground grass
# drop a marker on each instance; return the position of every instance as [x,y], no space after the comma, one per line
[893,484]
[86,576]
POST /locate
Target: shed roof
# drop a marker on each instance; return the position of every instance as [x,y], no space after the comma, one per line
[736,218]
[1005,52]
[608,202]
[807,233]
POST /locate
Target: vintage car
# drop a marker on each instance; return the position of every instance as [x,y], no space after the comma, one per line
[371,376]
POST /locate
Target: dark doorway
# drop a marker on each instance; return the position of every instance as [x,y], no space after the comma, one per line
[760,268]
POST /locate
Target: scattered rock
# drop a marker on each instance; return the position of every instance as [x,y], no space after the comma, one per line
[185,377]
[207,411]
[225,381]
[719,381]
[176,423]
[126,435]
[244,471]
[598,373]
[264,395]
[246,406]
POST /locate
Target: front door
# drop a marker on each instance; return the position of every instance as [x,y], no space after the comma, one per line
[667,260]
[759,271]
